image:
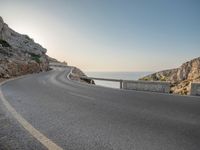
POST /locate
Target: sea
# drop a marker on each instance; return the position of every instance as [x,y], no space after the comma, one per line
[115,75]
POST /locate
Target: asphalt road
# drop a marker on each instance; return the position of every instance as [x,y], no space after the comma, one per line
[77,116]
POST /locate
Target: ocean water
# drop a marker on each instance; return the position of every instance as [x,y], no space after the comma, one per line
[115,75]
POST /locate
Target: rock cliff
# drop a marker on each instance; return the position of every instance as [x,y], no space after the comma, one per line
[180,78]
[19,54]
[77,74]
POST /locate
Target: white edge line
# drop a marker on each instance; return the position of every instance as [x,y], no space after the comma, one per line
[75,94]
[34,132]
[70,73]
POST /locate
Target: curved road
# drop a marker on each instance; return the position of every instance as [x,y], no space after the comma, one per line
[77,116]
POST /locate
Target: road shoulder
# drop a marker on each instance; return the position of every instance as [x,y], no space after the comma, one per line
[13,135]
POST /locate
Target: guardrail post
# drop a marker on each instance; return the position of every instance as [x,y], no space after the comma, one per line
[121,84]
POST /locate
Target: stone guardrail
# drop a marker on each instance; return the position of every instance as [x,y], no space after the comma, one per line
[195,89]
[161,87]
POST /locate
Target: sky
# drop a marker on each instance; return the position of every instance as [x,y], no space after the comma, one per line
[110,35]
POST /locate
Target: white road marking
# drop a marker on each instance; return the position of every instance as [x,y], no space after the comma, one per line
[82,96]
[54,81]
[68,76]
[34,132]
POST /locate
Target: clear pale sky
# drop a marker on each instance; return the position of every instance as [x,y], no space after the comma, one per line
[110,35]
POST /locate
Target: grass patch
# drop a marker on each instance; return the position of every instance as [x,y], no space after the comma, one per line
[35,57]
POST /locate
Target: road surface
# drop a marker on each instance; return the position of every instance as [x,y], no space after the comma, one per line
[77,116]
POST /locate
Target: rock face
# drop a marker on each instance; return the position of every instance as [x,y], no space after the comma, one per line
[19,54]
[180,78]
[77,74]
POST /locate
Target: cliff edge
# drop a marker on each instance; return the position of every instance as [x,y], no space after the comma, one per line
[180,78]
[19,54]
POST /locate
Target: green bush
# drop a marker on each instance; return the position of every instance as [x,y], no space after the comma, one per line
[145,79]
[4,43]
[35,57]
[163,79]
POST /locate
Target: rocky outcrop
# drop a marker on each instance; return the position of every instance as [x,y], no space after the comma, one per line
[76,75]
[180,78]
[19,54]
[55,62]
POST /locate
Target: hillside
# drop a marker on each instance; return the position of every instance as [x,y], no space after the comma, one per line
[180,78]
[19,54]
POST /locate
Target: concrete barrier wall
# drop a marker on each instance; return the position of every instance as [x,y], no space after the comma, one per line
[161,87]
[195,89]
